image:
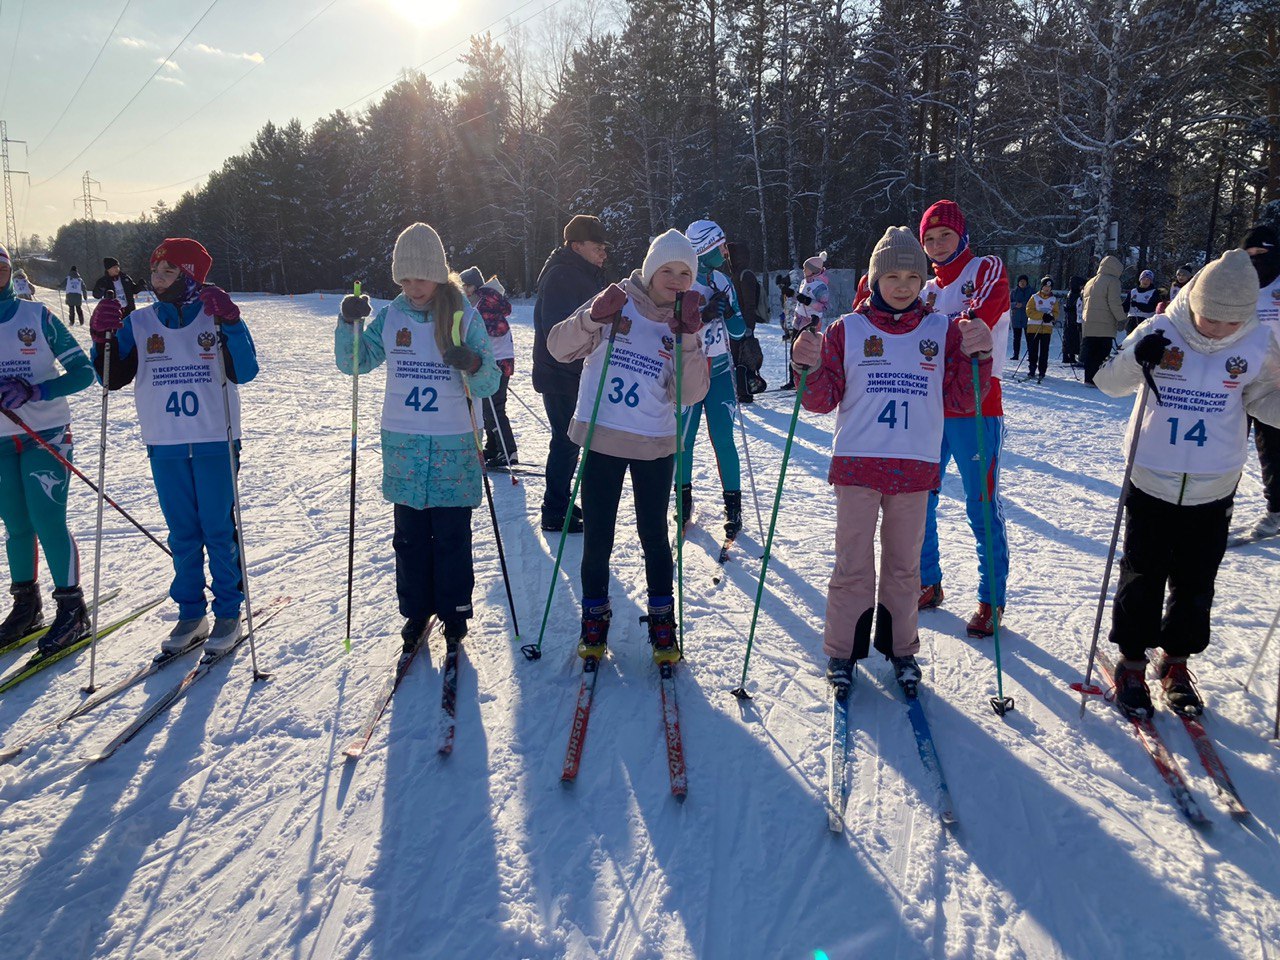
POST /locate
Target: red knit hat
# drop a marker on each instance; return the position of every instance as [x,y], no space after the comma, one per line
[186,254]
[944,213]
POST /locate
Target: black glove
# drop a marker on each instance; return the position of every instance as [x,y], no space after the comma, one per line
[804,298]
[1149,351]
[716,307]
[462,358]
[355,308]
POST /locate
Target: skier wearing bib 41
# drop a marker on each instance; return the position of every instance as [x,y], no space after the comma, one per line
[1213,365]
[430,471]
[166,350]
[893,369]
[33,484]
[635,425]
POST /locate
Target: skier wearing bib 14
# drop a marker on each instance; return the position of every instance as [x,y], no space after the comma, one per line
[33,484]
[167,351]
[1213,365]
[723,322]
[893,368]
[430,470]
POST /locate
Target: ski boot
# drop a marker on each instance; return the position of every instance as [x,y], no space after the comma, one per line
[1268,526]
[412,632]
[1180,692]
[1132,696]
[686,505]
[223,637]
[662,632]
[70,623]
[595,629]
[983,623]
[454,631]
[26,615]
[185,634]
[732,514]
[552,524]
[931,596]
[840,675]
[907,672]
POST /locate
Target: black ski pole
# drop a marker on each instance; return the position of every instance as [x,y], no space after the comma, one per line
[357,336]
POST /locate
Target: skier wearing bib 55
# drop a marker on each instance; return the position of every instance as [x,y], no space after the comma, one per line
[1212,366]
[894,369]
[166,350]
[430,471]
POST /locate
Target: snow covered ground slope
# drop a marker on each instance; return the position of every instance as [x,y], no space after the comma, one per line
[232,828]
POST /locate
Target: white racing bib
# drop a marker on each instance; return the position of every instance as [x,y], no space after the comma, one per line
[715,337]
[953,300]
[24,352]
[177,391]
[504,347]
[1269,306]
[635,385]
[1200,426]
[424,394]
[75,285]
[892,405]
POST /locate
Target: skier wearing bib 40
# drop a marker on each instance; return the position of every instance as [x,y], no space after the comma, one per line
[977,287]
[892,368]
[1213,366]
[723,322]
[635,425]
[166,350]
[33,484]
[430,471]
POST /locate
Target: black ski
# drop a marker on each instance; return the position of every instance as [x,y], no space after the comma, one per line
[357,746]
[838,761]
[449,698]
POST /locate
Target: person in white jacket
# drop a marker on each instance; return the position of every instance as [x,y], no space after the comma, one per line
[1211,366]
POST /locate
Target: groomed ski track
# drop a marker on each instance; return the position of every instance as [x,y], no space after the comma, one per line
[233,828]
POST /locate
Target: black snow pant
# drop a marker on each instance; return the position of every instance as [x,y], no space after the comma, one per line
[1094,353]
[601,491]
[562,456]
[1267,440]
[1038,353]
[75,310]
[1070,341]
[495,420]
[1017,342]
[434,572]
[1178,546]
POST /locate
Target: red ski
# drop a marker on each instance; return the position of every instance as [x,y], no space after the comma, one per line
[671,723]
[1214,766]
[581,714]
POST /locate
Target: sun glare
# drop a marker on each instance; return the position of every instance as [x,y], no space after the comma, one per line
[424,12]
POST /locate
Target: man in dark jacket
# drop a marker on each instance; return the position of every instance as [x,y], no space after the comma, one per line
[572,275]
[117,282]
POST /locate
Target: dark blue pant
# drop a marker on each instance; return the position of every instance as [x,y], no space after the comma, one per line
[562,455]
[434,572]
[601,491]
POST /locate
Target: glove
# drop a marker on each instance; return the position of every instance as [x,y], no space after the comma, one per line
[15,391]
[975,337]
[1149,351]
[355,308]
[462,358]
[804,298]
[219,306]
[717,307]
[806,352]
[608,304]
[107,317]
[692,314]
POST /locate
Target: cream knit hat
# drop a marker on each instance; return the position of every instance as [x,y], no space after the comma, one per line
[419,255]
[898,249]
[672,247]
[1227,289]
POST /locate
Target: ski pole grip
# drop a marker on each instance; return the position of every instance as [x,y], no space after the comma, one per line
[356,288]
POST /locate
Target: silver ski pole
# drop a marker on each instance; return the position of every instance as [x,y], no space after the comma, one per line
[751,474]
[107,347]
[502,441]
[1263,652]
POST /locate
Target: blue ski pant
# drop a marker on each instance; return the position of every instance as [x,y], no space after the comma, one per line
[721,405]
[197,498]
[960,442]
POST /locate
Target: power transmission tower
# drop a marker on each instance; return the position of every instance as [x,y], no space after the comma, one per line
[10,221]
[87,199]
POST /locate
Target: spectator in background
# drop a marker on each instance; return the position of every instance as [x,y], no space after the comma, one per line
[113,281]
[1018,298]
[1104,315]
[572,275]
[22,287]
[747,355]
[1180,280]
[1071,321]
[490,300]
[75,297]
[1141,302]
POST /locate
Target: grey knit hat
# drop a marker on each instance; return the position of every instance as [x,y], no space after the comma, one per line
[472,277]
[1227,289]
[898,249]
[419,255]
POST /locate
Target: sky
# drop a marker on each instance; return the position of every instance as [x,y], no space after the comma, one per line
[162,143]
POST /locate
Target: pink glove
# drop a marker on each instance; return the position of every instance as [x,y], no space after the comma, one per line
[806,352]
[218,305]
[975,337]
[107,317]
[15,391]
[608,304]
[690,314]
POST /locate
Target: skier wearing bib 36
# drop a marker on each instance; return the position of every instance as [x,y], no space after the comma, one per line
[723,323]
[634,426]
[166,350]
[33,484]
[1213,365]
[892,368]
[430,471]
[977,287]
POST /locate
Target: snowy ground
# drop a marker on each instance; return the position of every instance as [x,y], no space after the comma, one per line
[234,828]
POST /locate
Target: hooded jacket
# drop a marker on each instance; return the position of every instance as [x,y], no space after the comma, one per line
[566,282]
[1103,304]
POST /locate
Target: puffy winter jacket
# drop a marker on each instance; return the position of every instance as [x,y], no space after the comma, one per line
[1103,304]
[566,282]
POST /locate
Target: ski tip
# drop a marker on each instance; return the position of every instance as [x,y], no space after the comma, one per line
[351,754]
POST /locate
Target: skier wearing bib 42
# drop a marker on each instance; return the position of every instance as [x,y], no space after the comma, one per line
[1213,365]
[33,484]
[166,350]
[893,368]
[430,471]
[977,287]
[634,426]
[723,322]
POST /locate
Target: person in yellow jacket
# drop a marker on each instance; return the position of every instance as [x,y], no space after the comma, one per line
[1042,316]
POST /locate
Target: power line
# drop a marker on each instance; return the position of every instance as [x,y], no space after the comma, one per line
[167,186]
[84,79]
[17,38]
[144,86]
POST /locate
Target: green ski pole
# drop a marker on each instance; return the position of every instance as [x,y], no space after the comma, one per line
[679,477]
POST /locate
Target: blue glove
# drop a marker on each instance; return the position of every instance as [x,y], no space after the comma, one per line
[15,391]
